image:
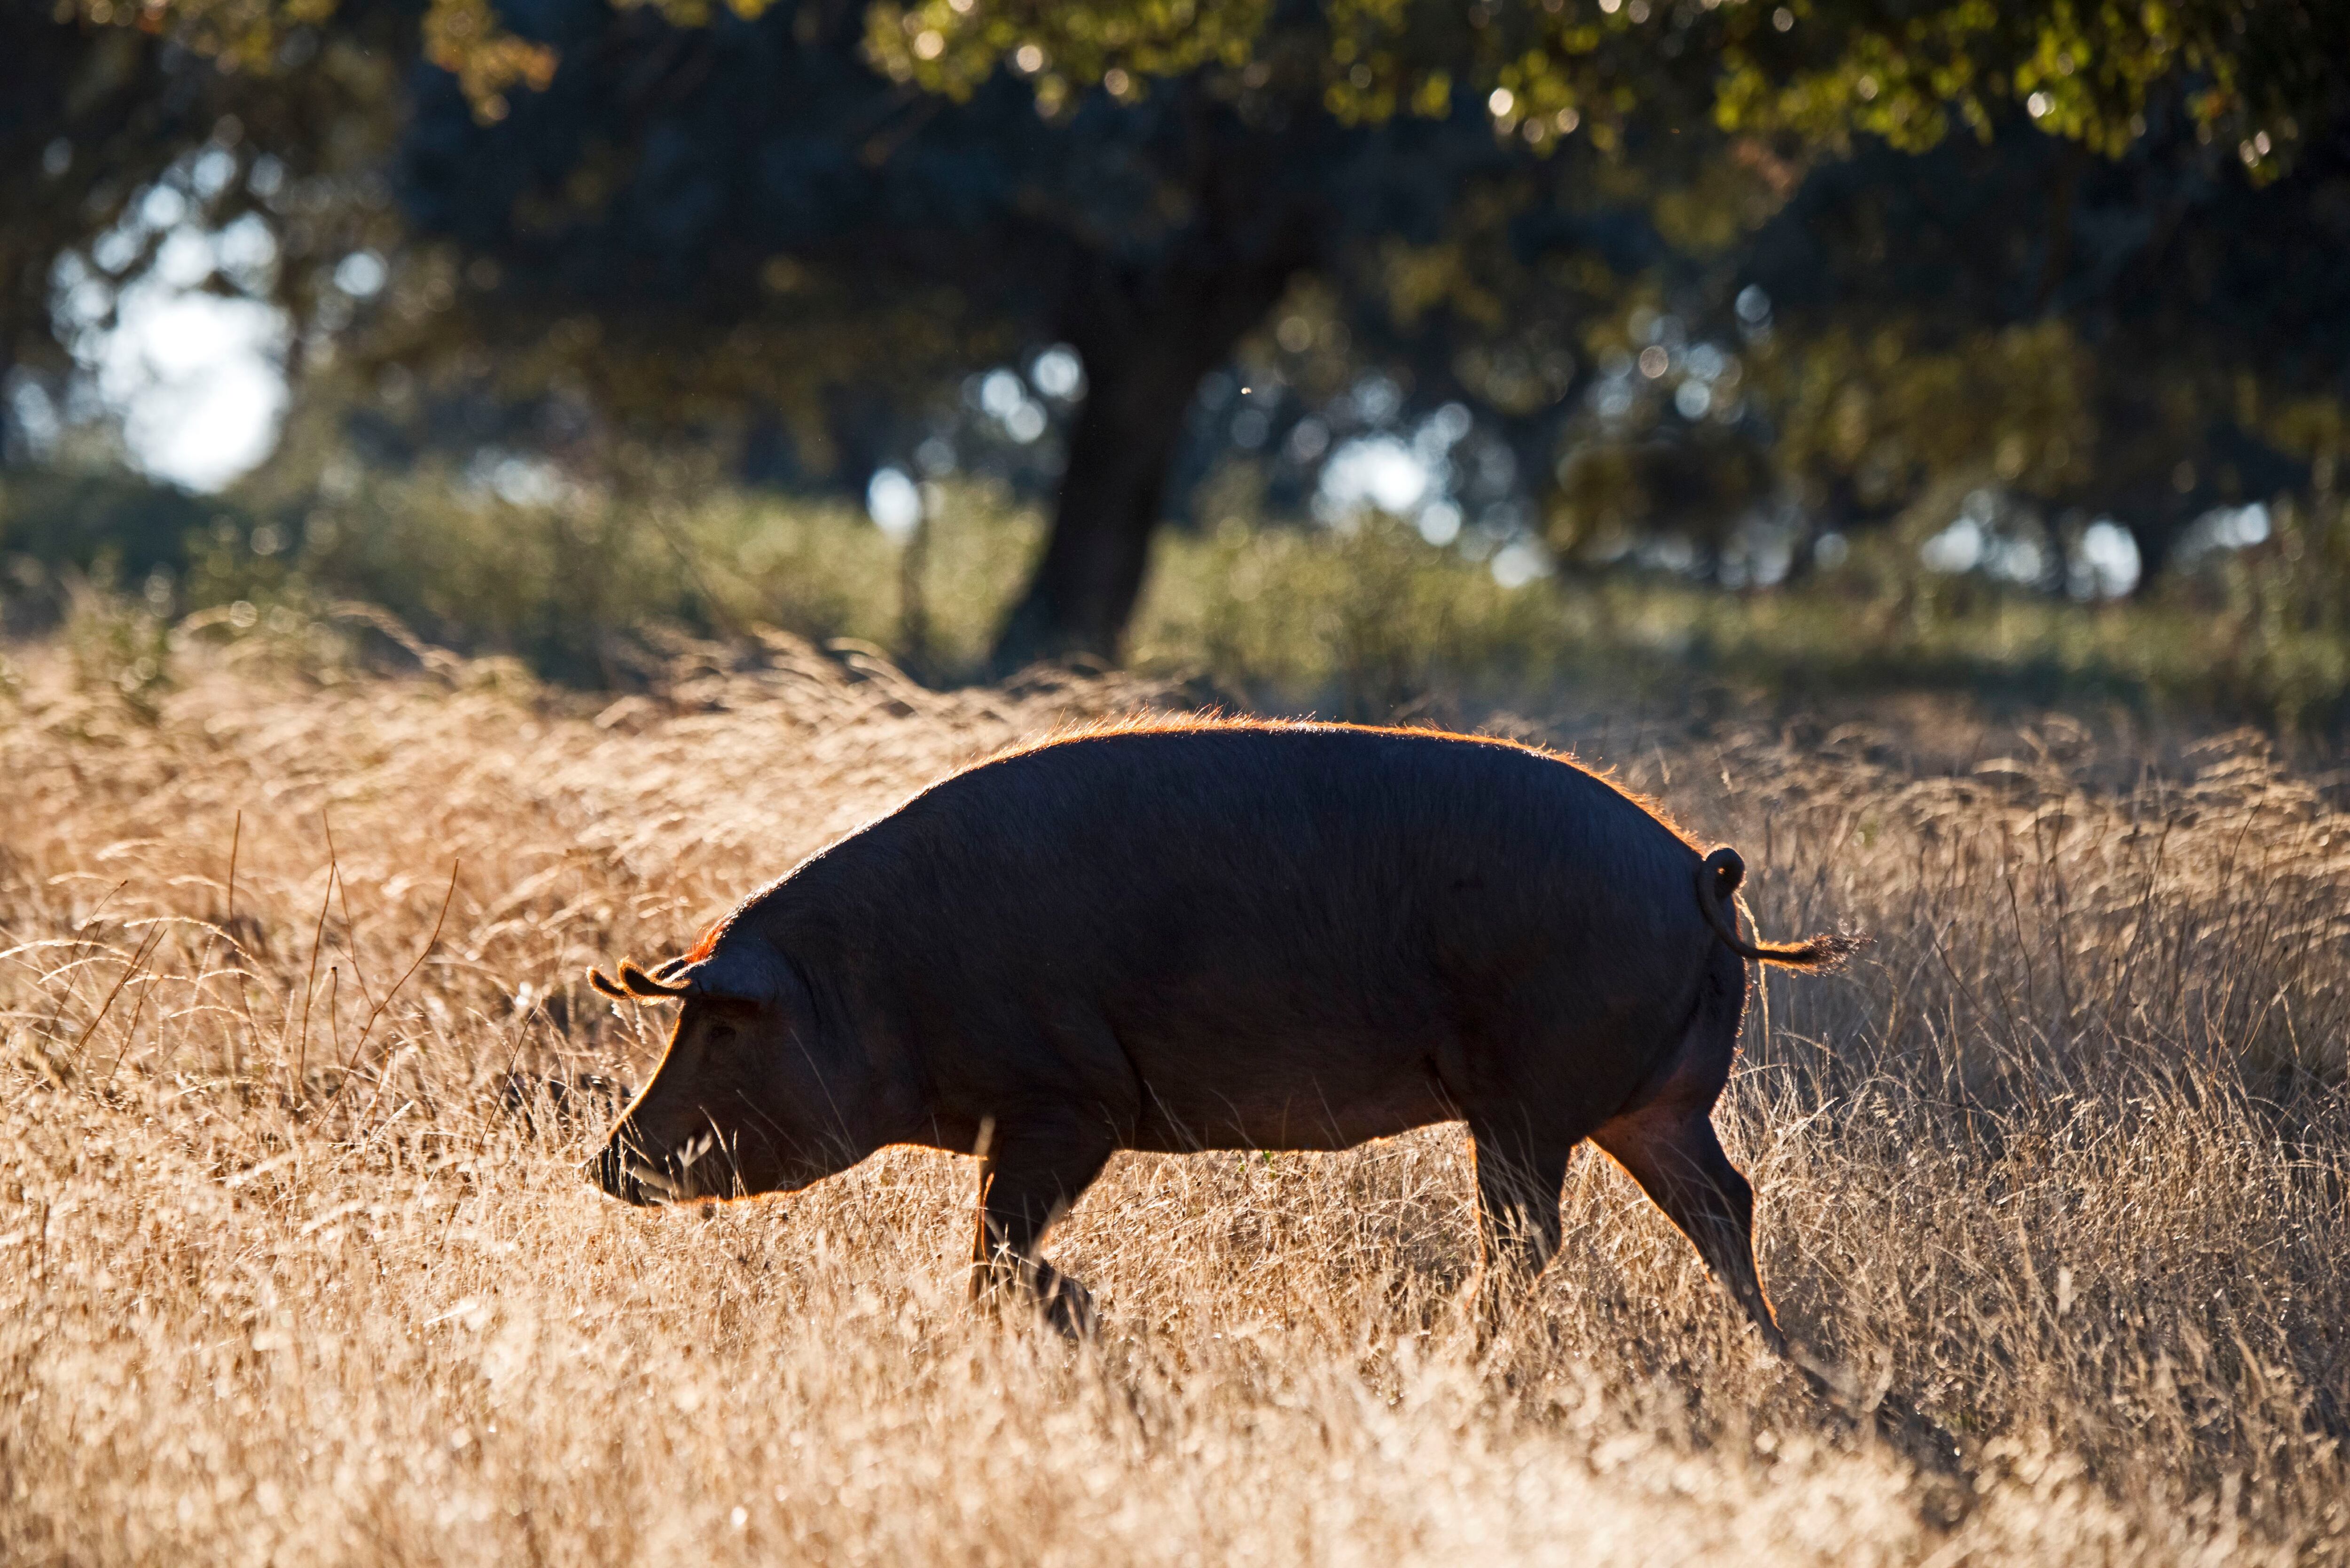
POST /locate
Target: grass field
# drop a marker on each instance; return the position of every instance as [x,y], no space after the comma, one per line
[297,1266]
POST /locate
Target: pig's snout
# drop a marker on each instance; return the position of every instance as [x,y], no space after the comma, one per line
[635,1176]
[620,1171]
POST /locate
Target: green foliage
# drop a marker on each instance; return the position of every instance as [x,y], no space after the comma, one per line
[120,648]
[1822,71]
[1897,420]
[568,584]
[1412,226]
[1355,626]
[2084,72]
[1367,623]
[52,520]
[1364,624]
[953,47]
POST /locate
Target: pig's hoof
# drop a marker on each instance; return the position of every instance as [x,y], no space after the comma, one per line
[1068,1306]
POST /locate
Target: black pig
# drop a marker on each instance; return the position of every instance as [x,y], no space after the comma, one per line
[1216,935]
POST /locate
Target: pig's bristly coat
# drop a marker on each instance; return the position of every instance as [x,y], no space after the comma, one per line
[1225,935]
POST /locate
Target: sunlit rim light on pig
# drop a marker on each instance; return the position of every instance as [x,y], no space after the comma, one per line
[1214,935]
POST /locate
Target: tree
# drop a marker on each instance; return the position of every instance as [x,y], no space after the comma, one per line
[1147,180]
[1151,235]
[703,206]
[88,116]
[200,117]
[2150,334]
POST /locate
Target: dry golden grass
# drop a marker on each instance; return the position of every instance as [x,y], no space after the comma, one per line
[290,1273]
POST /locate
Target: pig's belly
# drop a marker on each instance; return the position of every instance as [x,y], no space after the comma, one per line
[1298,1096]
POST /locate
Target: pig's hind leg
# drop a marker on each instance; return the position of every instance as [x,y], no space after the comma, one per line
[1673,1154]
[1028,1177]
[1665,1140]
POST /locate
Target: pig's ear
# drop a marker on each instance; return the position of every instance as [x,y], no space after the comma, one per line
[634,984]
[744,971]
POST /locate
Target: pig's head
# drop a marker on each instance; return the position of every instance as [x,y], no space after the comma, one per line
[747,1100]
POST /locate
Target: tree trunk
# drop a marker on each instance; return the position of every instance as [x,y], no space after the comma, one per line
[1084,587]
[2155,530]
[1147,339]
[1149,324]
[8,404]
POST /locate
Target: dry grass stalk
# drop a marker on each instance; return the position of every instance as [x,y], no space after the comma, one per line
[2063,1161]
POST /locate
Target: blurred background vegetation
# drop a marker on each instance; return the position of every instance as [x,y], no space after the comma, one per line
[1341,352]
